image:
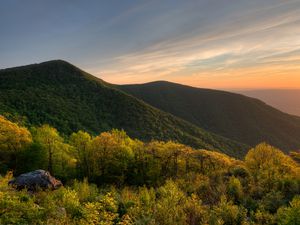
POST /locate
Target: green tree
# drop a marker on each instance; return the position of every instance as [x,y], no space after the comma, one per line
[13,139]
[49,139]
[227,213]
[169,206]
[195,212]
[268,165]
[290,215]
[235,190]
[111,155]
[81,141]
[60,158]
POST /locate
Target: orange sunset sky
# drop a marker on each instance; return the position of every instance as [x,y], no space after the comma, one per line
[224,44]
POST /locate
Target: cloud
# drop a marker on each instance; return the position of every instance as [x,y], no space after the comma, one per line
[256,41]
[199,42]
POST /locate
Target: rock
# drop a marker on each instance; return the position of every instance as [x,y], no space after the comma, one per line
[38,179]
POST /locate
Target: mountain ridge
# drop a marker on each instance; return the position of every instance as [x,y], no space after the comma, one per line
[286,100]
[235,116]
[58,93]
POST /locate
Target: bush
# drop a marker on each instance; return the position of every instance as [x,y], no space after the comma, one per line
[290,215]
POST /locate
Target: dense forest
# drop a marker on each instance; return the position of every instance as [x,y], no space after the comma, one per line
[111,178]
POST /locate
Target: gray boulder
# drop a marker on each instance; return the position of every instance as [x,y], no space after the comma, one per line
[35,180]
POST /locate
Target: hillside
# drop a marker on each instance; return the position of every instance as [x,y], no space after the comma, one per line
[69,99]
[235,116]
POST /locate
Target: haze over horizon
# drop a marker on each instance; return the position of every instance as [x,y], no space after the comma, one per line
[205,43]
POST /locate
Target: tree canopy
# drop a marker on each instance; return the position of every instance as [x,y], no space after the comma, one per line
[111,178]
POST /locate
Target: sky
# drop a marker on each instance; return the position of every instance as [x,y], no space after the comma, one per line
[223,44]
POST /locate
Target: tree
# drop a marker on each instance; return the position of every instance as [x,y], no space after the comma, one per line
[195,212]
[81,141]
[13,139]
[169,205]
[49,139]
[269,165]
[227,213]
[171,157]
[111,154]
[290,215]
[235,190]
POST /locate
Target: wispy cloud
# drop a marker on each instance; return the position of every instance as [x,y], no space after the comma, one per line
[257,42]
[209,43]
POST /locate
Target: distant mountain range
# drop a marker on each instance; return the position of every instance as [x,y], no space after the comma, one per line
[235,116]
[69,99]
[285,100]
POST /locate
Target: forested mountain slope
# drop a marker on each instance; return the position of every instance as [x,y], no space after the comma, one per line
[235,116]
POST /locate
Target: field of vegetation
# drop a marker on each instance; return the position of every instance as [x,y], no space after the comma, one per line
[113,179]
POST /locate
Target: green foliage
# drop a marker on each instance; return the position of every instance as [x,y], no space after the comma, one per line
[86,192]
[13,140]
[19,209]
[227,213]
[33,157]
[290,215]
[112,153]
[156,182]
[263,218]
[195,212]
[81,141]
[235,190]
[70,202]
[103,211]
[269,166]
[169,205]
[60,160]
